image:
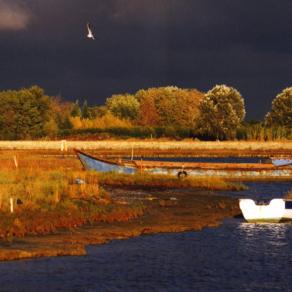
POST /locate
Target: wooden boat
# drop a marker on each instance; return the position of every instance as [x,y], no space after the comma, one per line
[183,169]
[277,210]
[90,162]
[281,161]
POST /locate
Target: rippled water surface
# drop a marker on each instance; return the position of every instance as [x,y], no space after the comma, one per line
[236,256]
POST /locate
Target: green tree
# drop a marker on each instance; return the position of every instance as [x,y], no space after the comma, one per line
[222,111]
[97,111]
[281,111]
[85,111]
[124,106]
[23,113]
[51,128]
[76,111]
[61,113]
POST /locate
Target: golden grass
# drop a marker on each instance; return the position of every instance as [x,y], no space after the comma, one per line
[49,198]
[166,181]
[45,189]
[288,195]
[148,144]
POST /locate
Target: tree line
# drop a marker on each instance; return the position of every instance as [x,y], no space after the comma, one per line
[218,114]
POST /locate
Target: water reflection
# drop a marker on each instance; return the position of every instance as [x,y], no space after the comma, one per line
[264,240]
[273,230]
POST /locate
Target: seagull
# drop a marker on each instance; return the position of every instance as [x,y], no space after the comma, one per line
[89,32]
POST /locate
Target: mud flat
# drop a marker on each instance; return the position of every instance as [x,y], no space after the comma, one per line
[166,211]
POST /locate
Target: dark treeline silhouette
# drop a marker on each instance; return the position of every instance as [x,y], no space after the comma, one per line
[170,111]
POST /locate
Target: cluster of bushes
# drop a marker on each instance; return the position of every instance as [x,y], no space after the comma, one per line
[129,132]
[156,112]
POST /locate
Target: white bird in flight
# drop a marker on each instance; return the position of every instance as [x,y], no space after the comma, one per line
[89,32]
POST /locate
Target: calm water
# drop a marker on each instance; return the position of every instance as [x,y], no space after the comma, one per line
[234,257]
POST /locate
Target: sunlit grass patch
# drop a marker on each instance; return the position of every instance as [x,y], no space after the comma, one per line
[166,181]
[44,201]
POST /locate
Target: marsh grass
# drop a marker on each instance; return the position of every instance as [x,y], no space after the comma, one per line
[47,195]
[162,144]
[45,201]
[288,195]
[145,180]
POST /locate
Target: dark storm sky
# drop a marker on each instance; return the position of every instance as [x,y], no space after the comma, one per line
[144,43]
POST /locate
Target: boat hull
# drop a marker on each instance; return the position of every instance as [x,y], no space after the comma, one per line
[242,170]
[281,162]
[278,210]
[92,163]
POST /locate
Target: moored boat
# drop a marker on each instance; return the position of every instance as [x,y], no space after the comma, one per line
[276,210]
[281,161]
[90,162]
[183,169]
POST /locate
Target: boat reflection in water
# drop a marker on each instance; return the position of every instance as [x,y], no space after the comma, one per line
[264,238]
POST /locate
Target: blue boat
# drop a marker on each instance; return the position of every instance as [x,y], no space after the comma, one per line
[183,169]
[93,163]
[281,161]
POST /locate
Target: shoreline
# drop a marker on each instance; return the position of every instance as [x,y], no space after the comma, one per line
[191,211]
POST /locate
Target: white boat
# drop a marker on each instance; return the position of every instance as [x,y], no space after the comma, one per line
[277,210]
[281,161]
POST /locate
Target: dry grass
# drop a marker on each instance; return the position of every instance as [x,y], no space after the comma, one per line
[148,144]
[49,196]
[288,195]
[46,189]
[166,181]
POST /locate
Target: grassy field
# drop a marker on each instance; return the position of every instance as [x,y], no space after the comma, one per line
[45,192]
[147,144]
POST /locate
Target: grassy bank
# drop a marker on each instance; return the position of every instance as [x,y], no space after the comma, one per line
[45,201]
[166,181]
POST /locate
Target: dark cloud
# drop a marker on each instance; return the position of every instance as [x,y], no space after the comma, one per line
[243,43]
[13,15]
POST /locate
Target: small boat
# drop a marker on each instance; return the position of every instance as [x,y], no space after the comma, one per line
[183,169]
[277,210]
[90,162]
[281,161]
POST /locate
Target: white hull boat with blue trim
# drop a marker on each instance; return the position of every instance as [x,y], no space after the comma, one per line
[277,210]
[281,161]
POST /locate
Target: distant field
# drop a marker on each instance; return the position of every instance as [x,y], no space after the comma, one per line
[146,144]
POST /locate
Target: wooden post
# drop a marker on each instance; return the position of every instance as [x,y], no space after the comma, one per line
[11,205]
[15,161]
[132,154]
[65,146]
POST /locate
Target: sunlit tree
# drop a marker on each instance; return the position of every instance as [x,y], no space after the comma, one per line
[124,106]
[23,113]
[76,111]
[222,111]
[169,106]
[281,111]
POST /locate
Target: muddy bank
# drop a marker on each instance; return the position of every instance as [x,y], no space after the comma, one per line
[166,211]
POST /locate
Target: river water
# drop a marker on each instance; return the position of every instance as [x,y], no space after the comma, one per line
[236,256]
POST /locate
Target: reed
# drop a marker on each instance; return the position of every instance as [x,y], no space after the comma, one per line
[45,201]
[48,193]
[160,144]
[288,195]
[145,180]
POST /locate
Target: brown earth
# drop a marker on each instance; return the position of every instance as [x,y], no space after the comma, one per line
[166,211]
